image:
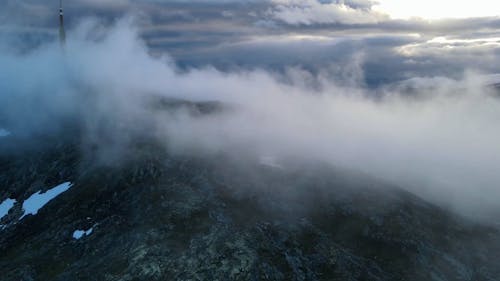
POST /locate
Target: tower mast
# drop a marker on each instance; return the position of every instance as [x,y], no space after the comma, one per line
[62,33]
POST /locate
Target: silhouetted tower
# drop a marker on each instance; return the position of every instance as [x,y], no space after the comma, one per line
[62,33]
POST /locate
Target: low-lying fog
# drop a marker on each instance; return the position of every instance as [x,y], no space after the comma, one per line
[436,137]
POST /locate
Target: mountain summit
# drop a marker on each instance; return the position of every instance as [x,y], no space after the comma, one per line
[153,215]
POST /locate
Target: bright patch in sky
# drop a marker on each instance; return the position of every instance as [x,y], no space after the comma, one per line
[4,133]
[38,200]
[438,9]
[6,205]
[270,161]
[80,233]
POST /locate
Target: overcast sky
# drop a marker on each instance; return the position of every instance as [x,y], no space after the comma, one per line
[396,39]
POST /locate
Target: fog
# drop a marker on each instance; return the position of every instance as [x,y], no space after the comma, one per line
[436,137]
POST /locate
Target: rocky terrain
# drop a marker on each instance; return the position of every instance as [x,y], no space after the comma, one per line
[154,215]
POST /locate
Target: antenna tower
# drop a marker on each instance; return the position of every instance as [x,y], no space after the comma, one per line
[62,33]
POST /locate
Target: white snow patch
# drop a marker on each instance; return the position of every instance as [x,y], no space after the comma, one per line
[80,233]
[6,205]
[38,200]
[270,161]
[4,133]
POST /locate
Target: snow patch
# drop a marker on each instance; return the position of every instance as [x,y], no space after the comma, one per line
[6,205]
[38,200]
[80,233]
[4,133]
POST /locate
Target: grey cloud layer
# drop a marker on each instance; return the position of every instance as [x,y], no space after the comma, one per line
[256,39]
[248,34]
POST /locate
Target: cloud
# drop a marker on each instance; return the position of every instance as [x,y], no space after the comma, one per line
[431,9]
[435,137]
[446,46]
[105,3]
[316,12]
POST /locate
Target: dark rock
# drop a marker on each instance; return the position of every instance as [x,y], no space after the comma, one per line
[162,217]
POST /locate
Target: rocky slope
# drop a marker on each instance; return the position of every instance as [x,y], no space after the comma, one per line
[156,216]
